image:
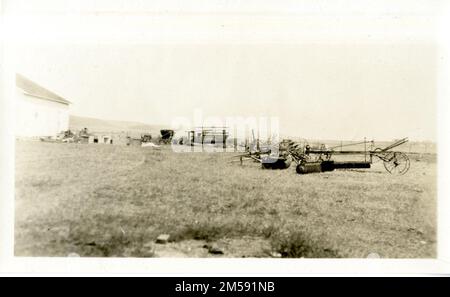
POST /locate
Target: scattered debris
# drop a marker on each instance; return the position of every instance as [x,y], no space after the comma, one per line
[84,136]
[275,255]
[73,255]
[148,250]
[418,232]
[163,238]
[150,144]
[214,249]
[146,138]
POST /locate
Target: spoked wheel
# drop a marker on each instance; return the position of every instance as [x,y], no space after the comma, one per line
[396,163]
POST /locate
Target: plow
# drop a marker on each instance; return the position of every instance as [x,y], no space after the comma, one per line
[322,159]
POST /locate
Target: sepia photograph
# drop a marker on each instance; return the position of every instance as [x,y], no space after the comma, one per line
[223,130]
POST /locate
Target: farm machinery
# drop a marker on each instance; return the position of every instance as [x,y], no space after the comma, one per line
[321,159]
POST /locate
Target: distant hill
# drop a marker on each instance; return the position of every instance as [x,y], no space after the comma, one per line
[135,128]
[98,125]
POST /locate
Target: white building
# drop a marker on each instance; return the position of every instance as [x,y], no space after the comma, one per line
[39,112]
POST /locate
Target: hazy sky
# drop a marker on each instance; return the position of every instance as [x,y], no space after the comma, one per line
[324,77]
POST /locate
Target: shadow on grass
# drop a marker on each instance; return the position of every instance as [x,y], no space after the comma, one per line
[199,231]
[300,245]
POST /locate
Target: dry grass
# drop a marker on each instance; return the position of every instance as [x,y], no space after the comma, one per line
[99,200]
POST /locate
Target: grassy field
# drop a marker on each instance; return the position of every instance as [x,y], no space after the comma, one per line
[101,200]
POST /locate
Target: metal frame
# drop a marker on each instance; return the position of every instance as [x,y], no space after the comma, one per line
[394,162]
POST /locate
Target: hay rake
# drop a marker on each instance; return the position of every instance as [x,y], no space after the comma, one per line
[310,160]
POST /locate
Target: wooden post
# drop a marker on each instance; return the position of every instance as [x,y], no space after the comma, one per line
[365,150]
[203,137]
[224,138]
[257,141]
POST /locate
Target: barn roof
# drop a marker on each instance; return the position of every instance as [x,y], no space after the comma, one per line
[33,89]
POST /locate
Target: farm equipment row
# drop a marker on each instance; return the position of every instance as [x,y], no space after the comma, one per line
[84,136]
[320,159]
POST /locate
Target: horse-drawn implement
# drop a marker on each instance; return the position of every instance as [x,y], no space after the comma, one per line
[310,160]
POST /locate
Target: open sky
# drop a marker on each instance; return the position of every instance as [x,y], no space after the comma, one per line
[324,75]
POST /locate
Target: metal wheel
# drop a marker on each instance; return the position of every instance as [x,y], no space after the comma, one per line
[396,163]
[278,163]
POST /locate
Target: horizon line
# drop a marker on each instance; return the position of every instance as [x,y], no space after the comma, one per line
[282,136]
